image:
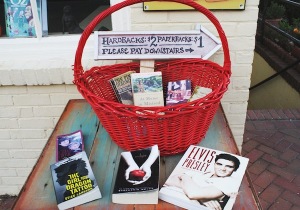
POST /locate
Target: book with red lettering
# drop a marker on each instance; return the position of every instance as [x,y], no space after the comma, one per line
[74,181]
[205,178]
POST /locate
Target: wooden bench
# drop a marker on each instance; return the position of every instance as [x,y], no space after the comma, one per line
[104,154]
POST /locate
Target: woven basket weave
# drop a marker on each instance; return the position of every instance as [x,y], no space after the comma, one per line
[133,127]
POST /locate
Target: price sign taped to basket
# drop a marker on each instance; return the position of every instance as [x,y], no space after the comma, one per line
[155,45]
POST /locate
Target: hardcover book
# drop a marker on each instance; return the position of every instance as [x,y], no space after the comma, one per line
[68,145]
[178,92]
[205,178]
[122,87]
[199,92]
[147,89]
[19,18]
[137,177]
[74,181]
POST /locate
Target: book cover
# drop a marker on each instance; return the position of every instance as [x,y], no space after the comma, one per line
[19,18]
[74,181]
[68,145]
[137,177]
[178,92]
[121,85]
[205,178]
[200,92]
[147,89]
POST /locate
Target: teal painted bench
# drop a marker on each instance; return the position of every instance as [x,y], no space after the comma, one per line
[38,192]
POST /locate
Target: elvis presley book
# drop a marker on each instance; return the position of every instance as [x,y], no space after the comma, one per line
[204,178]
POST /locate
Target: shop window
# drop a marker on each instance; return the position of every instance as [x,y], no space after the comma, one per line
[77,13]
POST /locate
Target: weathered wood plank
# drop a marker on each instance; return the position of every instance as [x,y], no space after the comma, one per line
[104,156]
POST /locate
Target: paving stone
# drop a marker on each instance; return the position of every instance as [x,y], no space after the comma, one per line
[265,179]
[264,204]
[281,182]
[258,167]
[274,114]
[296,123]
[283,172]
[266,114]
[274,160]
[271,193]
[294,166]
[296,181]
[251,115]
[291,132]
[283,145]
[254,155]
[280,204]
[264,125]
[289,114]
[268,150]
[289,155]
[294,198]
[249,146]
[296,113]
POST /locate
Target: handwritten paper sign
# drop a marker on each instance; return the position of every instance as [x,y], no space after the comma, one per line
[155,45]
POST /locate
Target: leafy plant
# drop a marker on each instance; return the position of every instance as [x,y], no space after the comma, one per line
[275,11]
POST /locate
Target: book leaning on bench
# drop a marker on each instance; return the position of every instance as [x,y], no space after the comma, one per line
[74,181]
[137,177]
[204,178]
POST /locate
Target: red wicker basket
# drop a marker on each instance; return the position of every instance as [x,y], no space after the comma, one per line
[133,127]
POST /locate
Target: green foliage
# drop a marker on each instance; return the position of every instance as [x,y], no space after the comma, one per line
[275,11]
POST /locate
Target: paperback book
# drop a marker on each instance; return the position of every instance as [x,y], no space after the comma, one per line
[178,92]
[19,18]
[147,89]
[122,87]
[74,181]
[68,145]
[137,178]
[204,178]
[200,92]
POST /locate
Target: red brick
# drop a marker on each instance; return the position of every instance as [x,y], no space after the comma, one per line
[294,166]
[296,123]
[283,172]
[295,208]
[296,148]
[291,197]
[264,125]
[289,155]
[283,124]
[274,114]
[266,114]
[254,155]
[274,160]
[249,126]
[264,204]
[253,176]
[280,204]
[283,145]
[271,193]
[281,114]
[292,139]
[296,113]
[259,114]
[250,145]
[258,189]
[297,180]
[268,150]
[258,167]
[251,115]
[281,182]
[264,179]
[289,114]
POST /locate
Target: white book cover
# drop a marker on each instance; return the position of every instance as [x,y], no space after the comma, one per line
[205,179]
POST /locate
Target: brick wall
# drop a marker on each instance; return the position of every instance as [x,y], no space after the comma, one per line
[36,82]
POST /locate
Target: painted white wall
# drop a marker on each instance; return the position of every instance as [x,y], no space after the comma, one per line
[36,80]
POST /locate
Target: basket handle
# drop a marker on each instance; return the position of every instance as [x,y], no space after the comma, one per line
[78,70]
